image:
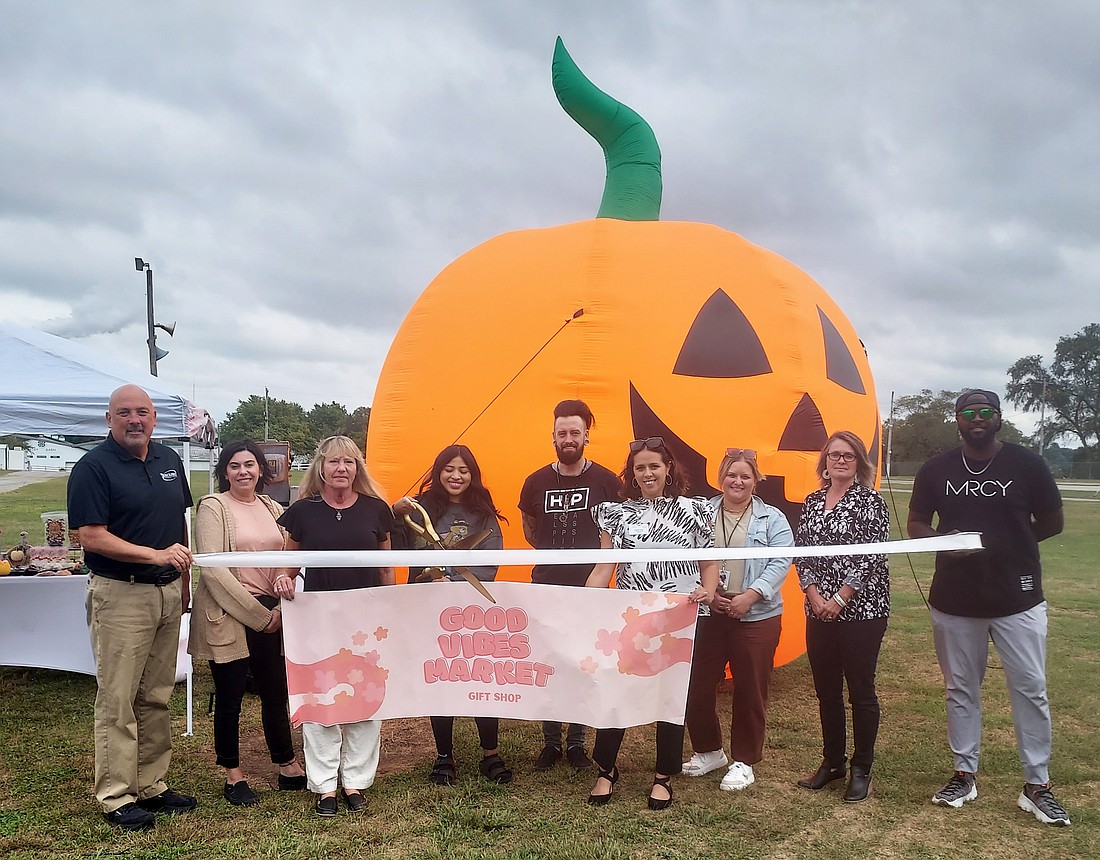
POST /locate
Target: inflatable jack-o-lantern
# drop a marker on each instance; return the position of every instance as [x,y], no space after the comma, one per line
[676,329]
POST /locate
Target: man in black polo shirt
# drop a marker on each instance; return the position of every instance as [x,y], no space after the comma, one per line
[128,497]
[556,502]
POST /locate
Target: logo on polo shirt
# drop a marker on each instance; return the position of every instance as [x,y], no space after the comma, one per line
[169,476]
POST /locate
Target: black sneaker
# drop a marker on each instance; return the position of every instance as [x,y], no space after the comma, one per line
[578,758]
[962,787]
[1040,801]
[169,802]
[240,794]
[130,817]
[549,757]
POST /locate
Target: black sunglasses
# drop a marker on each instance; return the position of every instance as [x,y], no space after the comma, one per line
[985,413]
[652,443]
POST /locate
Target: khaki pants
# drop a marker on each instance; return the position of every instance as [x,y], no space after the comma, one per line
[135,631]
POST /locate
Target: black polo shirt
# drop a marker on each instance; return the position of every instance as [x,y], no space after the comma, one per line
[142,502]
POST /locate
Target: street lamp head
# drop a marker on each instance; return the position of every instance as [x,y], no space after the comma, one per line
[140,264]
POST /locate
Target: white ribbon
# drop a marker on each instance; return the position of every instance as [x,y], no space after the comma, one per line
[478,557]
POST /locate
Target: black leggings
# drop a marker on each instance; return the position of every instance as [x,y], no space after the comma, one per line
[670,748]
[269,672]
[488,729]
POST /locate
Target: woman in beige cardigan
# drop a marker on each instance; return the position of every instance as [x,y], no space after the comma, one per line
[235,619]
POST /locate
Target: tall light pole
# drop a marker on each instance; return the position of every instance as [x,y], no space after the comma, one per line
[155,353]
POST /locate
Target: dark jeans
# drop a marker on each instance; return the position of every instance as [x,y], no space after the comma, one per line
[842,651]
[269,672]
[551,735]
[488,729]
[670,748]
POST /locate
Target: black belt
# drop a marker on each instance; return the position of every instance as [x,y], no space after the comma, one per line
[159,579]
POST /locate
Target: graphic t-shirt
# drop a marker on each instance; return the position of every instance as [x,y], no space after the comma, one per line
[315,525]
[999,501]
[561,506]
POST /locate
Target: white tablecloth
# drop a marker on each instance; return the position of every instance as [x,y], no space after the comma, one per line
[43,624]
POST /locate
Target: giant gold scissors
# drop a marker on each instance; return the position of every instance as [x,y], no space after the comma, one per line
[431,536]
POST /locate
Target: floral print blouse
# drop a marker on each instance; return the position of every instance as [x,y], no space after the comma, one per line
[861,516]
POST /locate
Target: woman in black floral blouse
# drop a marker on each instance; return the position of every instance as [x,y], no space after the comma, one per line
[847,607]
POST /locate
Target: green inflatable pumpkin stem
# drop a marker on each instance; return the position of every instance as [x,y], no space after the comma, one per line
[632,190]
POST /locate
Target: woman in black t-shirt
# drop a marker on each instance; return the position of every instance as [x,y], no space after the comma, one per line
[339,508]
[460,506]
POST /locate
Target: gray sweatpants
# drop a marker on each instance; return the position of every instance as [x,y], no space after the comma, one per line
[962,646]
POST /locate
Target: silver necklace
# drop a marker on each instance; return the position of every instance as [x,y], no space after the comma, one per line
[982,470]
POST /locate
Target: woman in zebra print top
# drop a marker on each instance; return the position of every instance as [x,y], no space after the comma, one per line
[655,513]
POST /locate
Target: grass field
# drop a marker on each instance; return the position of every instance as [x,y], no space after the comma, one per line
[46,808]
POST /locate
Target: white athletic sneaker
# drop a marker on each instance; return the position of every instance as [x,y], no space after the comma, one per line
[739,776]
[703,763]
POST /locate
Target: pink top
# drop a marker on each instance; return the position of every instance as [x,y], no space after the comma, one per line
[255,531]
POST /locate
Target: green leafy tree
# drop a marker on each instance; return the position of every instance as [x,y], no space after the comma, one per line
[1068,392]
[287,423]
[327,419]
[356,426]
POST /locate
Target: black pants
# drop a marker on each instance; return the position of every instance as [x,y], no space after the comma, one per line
[670,748]
[842,651]
[269,672]
[488,729]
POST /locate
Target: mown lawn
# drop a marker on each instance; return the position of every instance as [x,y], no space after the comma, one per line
[46,808]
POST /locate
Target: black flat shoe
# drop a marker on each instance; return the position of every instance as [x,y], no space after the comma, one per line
[823,776]
[240,794]
[355,801]
[859,786]
[326,807]
[611,776]
[130,817]
[656,803]
[292,783]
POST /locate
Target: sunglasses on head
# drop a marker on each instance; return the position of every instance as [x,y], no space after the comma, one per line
[985,413]
[652,443]
[736,454]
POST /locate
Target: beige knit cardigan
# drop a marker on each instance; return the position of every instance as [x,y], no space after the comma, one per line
[222,607]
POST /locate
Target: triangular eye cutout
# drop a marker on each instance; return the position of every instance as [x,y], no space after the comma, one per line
[805,430]
[840,367]
[721,343]
[876,444]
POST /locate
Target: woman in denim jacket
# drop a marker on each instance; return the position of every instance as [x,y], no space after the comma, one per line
[742,630]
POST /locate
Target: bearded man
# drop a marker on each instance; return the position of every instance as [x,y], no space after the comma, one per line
[1008,494]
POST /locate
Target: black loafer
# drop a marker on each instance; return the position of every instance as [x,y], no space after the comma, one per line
[859,786]
[823,776]
[578,758]
[292,783]
[326,807]
[355,801]
[169,802]
[130,817]
[240,794]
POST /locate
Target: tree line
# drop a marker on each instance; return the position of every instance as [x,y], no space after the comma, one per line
[290,422]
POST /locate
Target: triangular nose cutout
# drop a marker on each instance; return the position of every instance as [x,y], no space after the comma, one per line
[805,430]
[721,343]
[840,367]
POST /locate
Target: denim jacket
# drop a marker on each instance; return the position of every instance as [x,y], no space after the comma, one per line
[767,527]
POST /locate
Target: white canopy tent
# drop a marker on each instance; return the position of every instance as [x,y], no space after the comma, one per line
[55,387]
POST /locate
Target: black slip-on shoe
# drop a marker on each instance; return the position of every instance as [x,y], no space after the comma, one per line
[130,817]
[169,802]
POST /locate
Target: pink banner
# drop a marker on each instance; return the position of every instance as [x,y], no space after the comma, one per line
[598,657]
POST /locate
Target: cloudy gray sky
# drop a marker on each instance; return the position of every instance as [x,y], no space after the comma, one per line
[296,173]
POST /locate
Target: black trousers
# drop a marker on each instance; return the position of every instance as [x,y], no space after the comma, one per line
[842,651]
[269,672]
[488,730]
[670,748]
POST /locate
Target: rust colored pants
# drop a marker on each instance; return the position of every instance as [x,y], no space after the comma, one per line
[749,649]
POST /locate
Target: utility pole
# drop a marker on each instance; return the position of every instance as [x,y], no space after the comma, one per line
[267,417]
[890,438]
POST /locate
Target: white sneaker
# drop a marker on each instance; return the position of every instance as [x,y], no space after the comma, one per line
[703,763]
[739,776]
